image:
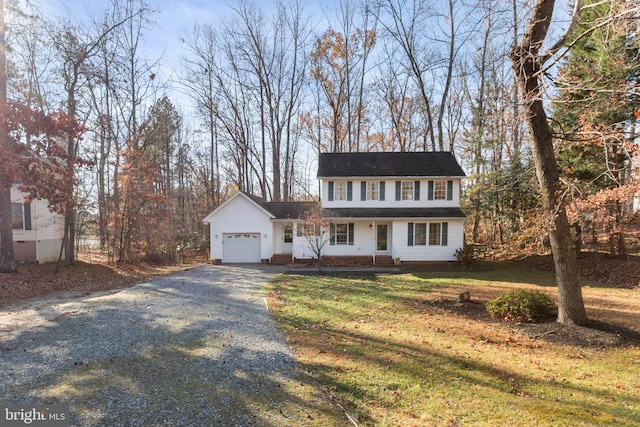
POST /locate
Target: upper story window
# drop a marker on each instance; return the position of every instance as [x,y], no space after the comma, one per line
[407,190]
[21,216]
[440,190]
[372,190]
[340,190]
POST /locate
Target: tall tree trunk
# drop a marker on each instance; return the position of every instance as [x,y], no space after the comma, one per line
[7,257]
[527,65]
[70,214]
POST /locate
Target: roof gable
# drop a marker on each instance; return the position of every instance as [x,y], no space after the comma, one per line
[232,200]
[431,163]
[275,210]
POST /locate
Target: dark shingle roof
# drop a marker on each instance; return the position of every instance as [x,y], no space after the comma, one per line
[283,210]
[394,213]
[290,210]
[432,163]
[295,210]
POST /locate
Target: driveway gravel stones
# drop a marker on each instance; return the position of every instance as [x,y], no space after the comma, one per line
[197,348]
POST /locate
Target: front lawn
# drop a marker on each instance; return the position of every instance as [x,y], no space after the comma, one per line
[397,350]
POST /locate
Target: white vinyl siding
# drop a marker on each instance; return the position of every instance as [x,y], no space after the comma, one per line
[406,252]
[239,215]
[37,229]
[389,193]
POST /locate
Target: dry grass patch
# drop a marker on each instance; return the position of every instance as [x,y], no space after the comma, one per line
[397,350]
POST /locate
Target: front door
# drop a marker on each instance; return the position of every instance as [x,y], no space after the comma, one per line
[287,238]
[382,238]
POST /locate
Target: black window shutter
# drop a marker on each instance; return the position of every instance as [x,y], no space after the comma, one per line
[330,191]
[430,191]
[382,190]
[416,191]
[332,234]
[410,234]
[349,191]
[350,234]
[398,191]
[449,190]
[27,216]
[445,233]
[363,190]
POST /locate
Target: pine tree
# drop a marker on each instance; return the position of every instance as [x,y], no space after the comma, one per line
[594,115]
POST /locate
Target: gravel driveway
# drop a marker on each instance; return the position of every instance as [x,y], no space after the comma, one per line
[197,348]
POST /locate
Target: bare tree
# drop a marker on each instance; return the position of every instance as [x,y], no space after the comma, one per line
[199,82]
[406,19]
[315,228]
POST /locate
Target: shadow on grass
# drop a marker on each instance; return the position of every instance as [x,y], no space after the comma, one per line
[380,368]
[435,371]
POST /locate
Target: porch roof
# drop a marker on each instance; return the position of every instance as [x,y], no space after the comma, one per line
[378,213]
[284,210]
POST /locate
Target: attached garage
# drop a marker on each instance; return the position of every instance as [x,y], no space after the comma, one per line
[241,247]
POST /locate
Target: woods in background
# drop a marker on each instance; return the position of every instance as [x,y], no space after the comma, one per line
[256,97]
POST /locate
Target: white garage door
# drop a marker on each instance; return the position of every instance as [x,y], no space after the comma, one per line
[241,247]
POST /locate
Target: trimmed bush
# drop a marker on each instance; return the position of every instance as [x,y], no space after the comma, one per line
[521,305]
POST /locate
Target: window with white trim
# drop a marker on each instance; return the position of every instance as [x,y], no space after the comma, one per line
[21,216]
[309,229]
[439,190]
[428,233]
[435,234]
[373,190]
[340,190]
[288,233]
[407,190]
[342,234]
[420,234]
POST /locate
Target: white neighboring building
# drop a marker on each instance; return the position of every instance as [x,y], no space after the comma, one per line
[37,232]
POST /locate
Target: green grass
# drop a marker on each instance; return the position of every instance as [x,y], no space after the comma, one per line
[394,356]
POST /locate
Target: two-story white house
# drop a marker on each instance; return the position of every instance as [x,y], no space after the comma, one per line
[381,208]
